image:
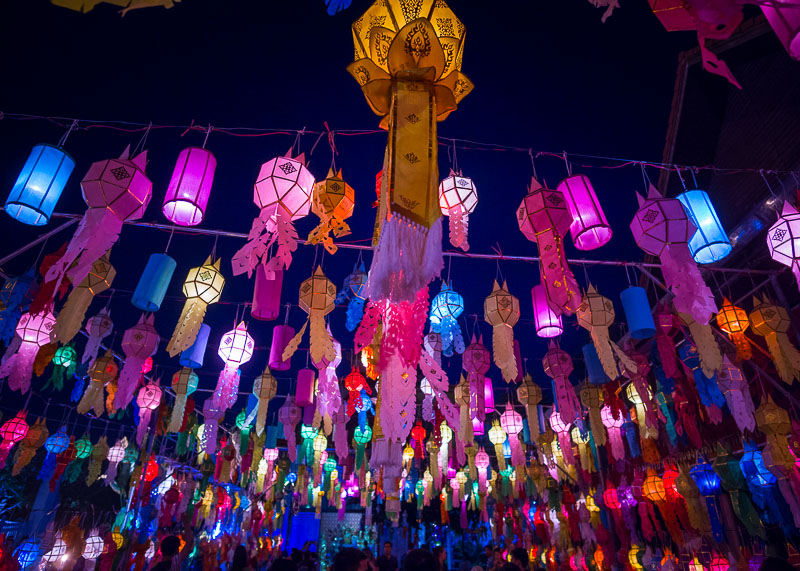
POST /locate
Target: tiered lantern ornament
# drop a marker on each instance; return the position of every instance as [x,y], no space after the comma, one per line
[34,439]
[289,416]
[710,242]
[92,548]
[354,294]
[458,198]
[189,187]
[662,228]
[361,436]
[317,296]
[98,327]
[772,322]
[12,431]
[589,228]
[775,423]
[592,398]
[783,237]
[202,287]
[596,315]
[501,311]
[446,306]
[736,390]
[139,342]
[546,321]
[65,361]
[102,371]
[235,349]
[283,194]
[543,217]
[332,200]
[148,399]
[409,80]
[28,553]
[39,185]
[562,430]
[115,190]
[511,421]
[497,436]
[614,428]
[34,331]
[265,388]
[558,365]
[71,316]
[116,454]
[733,321]
[530,395]
[184,383]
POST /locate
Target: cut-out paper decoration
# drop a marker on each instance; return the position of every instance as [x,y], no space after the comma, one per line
[613,426]
[115,190]
[39,185]
[458,198]
[283,194]
[138,343]
[148,399]
[34,331]
[543,218]
[98,327]
[116,454]
[212,417]
[35,439]
[775,423]
[408,64]
[332,201]
[596,315]
[99,454]
[101,372]
[546,321]
[189,187]
[235,348]
[707,346]
[710,242]
[71,316]
[446,306]
[12,431]
[637,312]
[202,287]
[184,383]
[736,390]
[289,416]
[733,321]
[589,228]
[592,398]
[662,228]
[265,388]
[501,311]
[153,283]
[317,297]
[267,295]
[558,365]
[783,237]
[772,322]
[707,388]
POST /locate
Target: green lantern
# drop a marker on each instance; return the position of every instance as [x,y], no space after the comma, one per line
[362,436]
[64,362]
[308,433]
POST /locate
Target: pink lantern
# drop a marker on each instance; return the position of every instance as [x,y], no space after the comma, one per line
[562,429]
[558,365]
[477,426]
[546,321]
[98,327]
[34,331]
[12,432]
[283,193]
[589,228]
[267,295]
[139,342]
[614,429]
[190,186]
[783,237]
[115,190]
[511,422]
[281,335]
[304,395]
[488,395]
[457,200]
[784,17]
[235,349]
[148,399]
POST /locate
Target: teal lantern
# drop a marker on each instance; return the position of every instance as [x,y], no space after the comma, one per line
[64,363]
[39,185]
[361,437]
[153,283]
[709,243]
[637,312]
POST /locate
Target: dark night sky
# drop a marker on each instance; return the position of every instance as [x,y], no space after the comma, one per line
[548,74]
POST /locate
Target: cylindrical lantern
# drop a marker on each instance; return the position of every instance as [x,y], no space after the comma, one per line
[589,228]
[709,243]
[39,185]
[189,188]
[594,368]
[488,396]
[637,312]
[193,356]
[304,395]
[153,283]
[281,335]
[266,295]
[785,21]
[477,426]
[547,321]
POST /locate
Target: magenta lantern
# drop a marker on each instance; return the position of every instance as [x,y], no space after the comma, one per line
[784,17]
[589,228]
[190,186]
[477,426]
[488,396]
[546,321]
[304,395]
[267,294]
[281,335]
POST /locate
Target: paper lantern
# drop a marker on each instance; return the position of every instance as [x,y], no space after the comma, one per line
[282,193]
[637,312]
[543,217]
[415,44]
[530,395]
[74,310]
[12,431]
[558,365]
[719,563]
[488,396]
[202,287]
[710,242]
[354,383]
[184,383]
[332,201]
[592,398]
[546,321]
[783,237]
[458,198]
[562,429]
[265,388]
[733,321]
[27,553]
[64,363]
[589,228]
[102,372]
[281,337]
[785,21]
[39,185]
[138,343]
[304,394]
[190,186]
[501,311]
[148,399]
[497,436]
[235,348]
[446,306]
[93,547]
[194,355]
[596,315]
[354,294]
[98,327]
[34,331]
[115,455]
[317,297]
[267,294]
[736,389]
[35,439]
[661,227]
[772,322]
[153,283]
[511,421]
[289,416]
[613,426]
[774,422]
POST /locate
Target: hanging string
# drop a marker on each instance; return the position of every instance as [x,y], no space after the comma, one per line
[142,141]
[332,145]
[680,176]
[775,199]
[63,140]
[645,178]
[566,163]
[455,160]
[41,251]
[169,240]
[533,164]
[296,145]
[694,179]
[214,248]
[208,132]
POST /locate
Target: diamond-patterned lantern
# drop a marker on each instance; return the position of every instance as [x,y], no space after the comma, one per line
[332,201]
[558,365]
[148,399]
[70,318]
[562,430]
[596,315]
[733,321]
[446,306]
[613,427]
[783,239]
[511,421]
[34,331]
[772,322]
[501,311]
[530,395]
[102,372]
[592,398]
[265,388]
[457,200]
[775,423]
[497,436]
[317,298]
[98,327]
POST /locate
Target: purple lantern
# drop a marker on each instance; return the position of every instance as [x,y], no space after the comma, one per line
[267,294]
[546,321]
[784,17]
[488,396]
[589,228]
[190,186]
[304,395]
[281,335]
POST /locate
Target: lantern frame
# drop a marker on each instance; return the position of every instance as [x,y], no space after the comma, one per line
[589,229]
[188,191]
[236,346]
[710,242]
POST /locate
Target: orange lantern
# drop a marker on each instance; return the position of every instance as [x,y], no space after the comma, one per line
[733,321]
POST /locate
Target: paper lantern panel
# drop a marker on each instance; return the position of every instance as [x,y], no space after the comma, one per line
[285,181]
[37,328]
[457,190]
[589,228]
[317,293]
[710,242]
[39,185]
[660,222]
[190,186]
[119,185]
[204,282]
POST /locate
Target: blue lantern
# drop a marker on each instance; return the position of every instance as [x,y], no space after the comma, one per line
[27,553]
[354,294]
[709,484]
[637,312]
[709,243]
[39,185]
[193,356]
[594,369]
[507,449]
[271,441]
[153,283]
[446,306]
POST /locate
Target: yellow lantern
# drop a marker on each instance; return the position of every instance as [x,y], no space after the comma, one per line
[497,436]
[332,200]
[102,372]
[592,398]
[501,311]
[772,322]
[317,298]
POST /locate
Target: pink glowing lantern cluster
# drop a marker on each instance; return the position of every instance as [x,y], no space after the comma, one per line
[190,186]
[235,348]
[589,229]
[139,343]
[783,237]
[34,331]
[546,321]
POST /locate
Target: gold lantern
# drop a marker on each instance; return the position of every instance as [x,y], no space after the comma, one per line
[265,388]
[530,395]
[103,371]
[775,423]
[733,321]
[772,322]
[317,298]
[501,311]
[332,200]
[592,398]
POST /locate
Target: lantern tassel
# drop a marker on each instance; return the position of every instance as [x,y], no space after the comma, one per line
[683,277]
[19,367]
[128,381]
[70,318]
[785,356]
[503,349]
[194,311]
[176,419]
[92,399]
[294,343]
[320,341]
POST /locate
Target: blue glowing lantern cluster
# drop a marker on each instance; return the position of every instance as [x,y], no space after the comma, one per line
[709,243]
[446,306]
[39,185]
